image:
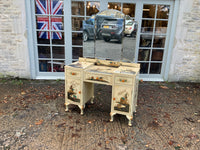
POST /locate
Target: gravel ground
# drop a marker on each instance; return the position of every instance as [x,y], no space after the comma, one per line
[32,117]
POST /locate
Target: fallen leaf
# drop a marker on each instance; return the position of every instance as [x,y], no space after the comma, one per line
[39,122]
[198,121]
[107,142]
[90,122]
[164,87]
[104,130]
[23,93]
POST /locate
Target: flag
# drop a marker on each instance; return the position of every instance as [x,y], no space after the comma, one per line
[52,8]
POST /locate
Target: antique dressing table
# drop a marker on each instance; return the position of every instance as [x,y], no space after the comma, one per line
[123,76]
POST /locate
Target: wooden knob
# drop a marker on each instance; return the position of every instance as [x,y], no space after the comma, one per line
[113,99]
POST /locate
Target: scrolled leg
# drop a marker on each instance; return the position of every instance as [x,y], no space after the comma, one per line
[111,117]
[66,107]
[130,118]
[92,100]
[82,108]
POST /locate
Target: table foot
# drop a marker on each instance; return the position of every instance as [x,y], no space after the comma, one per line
[92,100]
[112,117]
[82,108]
[66,107]
[130,118]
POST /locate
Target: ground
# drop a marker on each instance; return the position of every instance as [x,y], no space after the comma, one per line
[33,117]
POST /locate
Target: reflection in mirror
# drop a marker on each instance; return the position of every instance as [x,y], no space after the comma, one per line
[109,31]
[103,36]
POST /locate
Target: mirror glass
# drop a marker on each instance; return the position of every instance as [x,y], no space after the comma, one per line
[110,35]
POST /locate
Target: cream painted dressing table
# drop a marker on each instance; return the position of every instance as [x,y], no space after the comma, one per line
[123,77]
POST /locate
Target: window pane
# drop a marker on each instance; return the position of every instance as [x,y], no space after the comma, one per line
[144,55]
[58,66]
[44,52]
[78,8]
[46,7]
[77,38]
[157,55]
[145,40]
[129,9]
[155,68]
[92,8]
[44,66]
[77,23]
[58,52]
[77,52]
[161,27]
[149,11]
[163,11]
[159,41]
[144,68]
[42,37]
[58,38]
[147,26]
[116,6]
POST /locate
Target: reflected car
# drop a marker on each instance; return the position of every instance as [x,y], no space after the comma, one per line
[89,27]
[130,28]
[112,29]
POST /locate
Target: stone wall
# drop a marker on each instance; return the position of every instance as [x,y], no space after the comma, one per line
[185,64]
[14,57]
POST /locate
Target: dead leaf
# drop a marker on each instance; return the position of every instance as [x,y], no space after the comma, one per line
[164,87]
[23,93]
[104,130]
[107,142]
[39,122]
[89,121]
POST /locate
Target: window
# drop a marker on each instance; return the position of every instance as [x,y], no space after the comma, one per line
[50,35]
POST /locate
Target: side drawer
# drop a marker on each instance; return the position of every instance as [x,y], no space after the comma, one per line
[123,80]
[73,73]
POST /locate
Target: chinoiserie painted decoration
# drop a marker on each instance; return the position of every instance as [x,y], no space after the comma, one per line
[123,77]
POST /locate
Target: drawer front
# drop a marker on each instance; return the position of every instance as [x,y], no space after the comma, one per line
[73,74]
[98,78]
[123,80]
[73,90]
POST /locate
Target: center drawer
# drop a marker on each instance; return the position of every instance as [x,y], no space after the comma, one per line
[100,78]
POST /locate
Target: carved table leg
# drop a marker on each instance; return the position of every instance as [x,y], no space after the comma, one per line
[66,107]
[92,100]
[111,117]
[82,108]
[130,118]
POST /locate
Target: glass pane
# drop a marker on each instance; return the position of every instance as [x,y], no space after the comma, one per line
[77,8]
[116,6]
[43,37]
[144,68]
[145,40]
[159,41]
[58,52]
[44,66]
[58,66]
[163,11]
[77,52]
[149,11]
[144,55]
[157,55]
[46,7]
[129,9]
[77,38]
[44,52]
[92,8]
[155,68]
[147,26]
[58,38]
[161,27]
[77,23]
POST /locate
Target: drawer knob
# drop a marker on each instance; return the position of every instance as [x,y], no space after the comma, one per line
[73,73]
[123,80]
[113,99]
[79,92]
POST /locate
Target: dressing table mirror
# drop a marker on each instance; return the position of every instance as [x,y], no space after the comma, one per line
[108,53]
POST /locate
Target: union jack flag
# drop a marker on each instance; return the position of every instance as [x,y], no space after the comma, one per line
[52,7]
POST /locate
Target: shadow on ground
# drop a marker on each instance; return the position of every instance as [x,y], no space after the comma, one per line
[32,116]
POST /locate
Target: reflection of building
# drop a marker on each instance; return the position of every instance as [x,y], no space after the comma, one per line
[167,42]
